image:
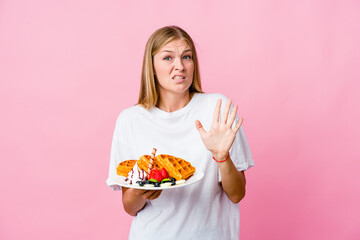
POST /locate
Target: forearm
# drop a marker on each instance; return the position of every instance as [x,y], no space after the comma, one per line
[233,182]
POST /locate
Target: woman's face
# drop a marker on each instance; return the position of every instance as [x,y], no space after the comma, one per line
[174,67]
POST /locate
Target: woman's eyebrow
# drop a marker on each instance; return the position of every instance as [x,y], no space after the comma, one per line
[187,50]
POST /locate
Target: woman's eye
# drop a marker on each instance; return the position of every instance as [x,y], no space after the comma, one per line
[167,58]
[187,57]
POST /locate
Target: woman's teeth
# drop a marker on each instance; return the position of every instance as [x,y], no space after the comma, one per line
[178,77]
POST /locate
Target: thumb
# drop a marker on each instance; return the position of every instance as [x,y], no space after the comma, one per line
[200,128]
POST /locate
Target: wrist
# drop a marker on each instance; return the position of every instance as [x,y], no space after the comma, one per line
[221,157]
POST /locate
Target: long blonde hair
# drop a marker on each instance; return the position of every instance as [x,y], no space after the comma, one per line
[149,94]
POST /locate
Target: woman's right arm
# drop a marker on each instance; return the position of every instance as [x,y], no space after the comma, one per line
[135,199]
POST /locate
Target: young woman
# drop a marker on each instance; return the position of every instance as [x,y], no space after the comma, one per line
[176,117]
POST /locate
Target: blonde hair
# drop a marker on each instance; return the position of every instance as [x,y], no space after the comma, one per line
[149,94]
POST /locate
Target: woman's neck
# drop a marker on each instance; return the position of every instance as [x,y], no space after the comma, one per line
[173,102]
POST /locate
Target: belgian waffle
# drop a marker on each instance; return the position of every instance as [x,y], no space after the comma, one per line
[124,167]
[143,163]
[176,167]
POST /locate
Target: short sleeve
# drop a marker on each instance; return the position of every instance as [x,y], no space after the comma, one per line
[240,152]
[120,151]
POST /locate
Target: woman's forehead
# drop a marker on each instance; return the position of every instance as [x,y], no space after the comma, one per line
[176,45]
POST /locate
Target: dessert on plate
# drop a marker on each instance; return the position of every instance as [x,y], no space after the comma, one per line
[160,171]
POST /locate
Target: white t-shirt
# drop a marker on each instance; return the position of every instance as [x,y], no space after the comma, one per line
[198,211]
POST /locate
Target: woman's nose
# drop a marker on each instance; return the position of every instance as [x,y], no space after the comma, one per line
[179,64]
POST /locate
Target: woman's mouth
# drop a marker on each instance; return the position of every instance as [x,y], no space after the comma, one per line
[179,78]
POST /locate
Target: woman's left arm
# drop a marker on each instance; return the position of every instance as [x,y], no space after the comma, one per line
[219,141]
[233,181]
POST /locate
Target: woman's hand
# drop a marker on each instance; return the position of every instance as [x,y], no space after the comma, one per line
[148,194]
[135,199]
[221,135]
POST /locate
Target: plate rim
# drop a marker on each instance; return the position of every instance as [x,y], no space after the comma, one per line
[198,174]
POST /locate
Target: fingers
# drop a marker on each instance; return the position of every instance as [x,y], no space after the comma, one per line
[146,194]
[232,116]
[238,125]
[200,128]
[155,195]
[225,118]
[217,111]
[151,194]
[225,114]
[198,124]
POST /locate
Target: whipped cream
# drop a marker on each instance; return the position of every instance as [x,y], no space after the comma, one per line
[135,175]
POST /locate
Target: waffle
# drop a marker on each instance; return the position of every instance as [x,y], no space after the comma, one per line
[124,167]
[143,163]
[176,167]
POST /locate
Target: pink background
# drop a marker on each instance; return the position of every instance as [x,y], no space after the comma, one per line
[67,68]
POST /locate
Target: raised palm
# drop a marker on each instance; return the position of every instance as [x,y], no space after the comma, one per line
[219,139]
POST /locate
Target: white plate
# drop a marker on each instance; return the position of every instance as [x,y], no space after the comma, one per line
[120,180]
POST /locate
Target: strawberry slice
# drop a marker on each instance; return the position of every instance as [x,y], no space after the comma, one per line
[164,173]
[157,175]
[152,173]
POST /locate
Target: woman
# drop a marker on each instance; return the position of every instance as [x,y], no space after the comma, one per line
[176,117]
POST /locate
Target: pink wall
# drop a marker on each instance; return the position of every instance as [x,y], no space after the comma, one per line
[67,68]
